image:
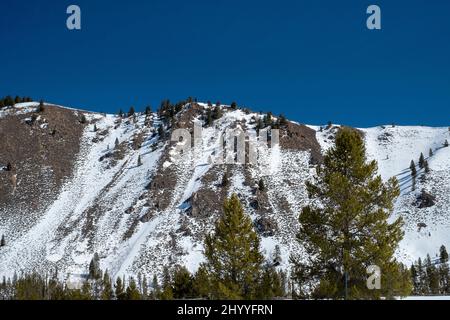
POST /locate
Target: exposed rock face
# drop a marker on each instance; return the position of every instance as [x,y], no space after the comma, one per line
[42,148]
[425,200]
[300,137]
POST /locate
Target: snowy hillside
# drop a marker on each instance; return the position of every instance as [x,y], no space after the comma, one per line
[129,198]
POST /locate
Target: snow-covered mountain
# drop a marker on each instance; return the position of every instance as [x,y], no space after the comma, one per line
[89,182]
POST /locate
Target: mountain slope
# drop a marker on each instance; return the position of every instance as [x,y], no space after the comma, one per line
[85,191]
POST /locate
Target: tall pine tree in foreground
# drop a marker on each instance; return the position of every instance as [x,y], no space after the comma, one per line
[348,230]
[233,258]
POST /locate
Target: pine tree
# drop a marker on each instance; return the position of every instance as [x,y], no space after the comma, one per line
[156,290]
[182,283]
[261,185]
[209,118]
[446,143]
[443,255]
[116,143]
[94,268]
[2,241]
[132,293]
[86,291]
[350,230]
[167,291]
[201,284]
[95,127]
[148,110]
[161,131]
[234,105]
[412,167]
[83,119]
[41,106]
[430,153]
[119,289]
[217,113]
[120,113]
[233,258]
[139,161]
[282,120]
[107,292]
[432,277]
[131,112]
[421,161]
[426,166]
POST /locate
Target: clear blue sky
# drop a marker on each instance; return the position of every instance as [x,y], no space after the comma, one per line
[311,60]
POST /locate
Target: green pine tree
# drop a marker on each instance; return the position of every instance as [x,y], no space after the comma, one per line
[421,161]
[107,292]
[443,255]
[182,283]
[131,112]
[119,289]
[412,167]
[233,257]
[132,292]
[349,231]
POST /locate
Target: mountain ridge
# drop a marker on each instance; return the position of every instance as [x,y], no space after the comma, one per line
[140,218]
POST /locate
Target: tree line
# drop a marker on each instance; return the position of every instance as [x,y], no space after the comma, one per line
[9,101]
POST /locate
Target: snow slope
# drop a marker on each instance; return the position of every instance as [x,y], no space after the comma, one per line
[113,206]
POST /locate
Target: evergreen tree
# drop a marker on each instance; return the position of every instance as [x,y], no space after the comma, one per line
[233,258]
[271,284]
[119,289]
[167,291]
[17,100]
[412,167]
[161,131]
[443,255]
[432,276]
[132,293]
[156,290]
[234,105]
[2,241]
[116,143]
[426,166]
[421,161]
[282,120]
[209,118]
[94,267]
[201,283]
[139,161]
[350,230]
[430,153]
[83,119]
[120,113]
[86,291]
[148,110]
[446,143]
[107,292]
[217,113]
[41,106]
[261,185]
[131,112]
[182,283]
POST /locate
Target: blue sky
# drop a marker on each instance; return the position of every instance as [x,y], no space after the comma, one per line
[311,60]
